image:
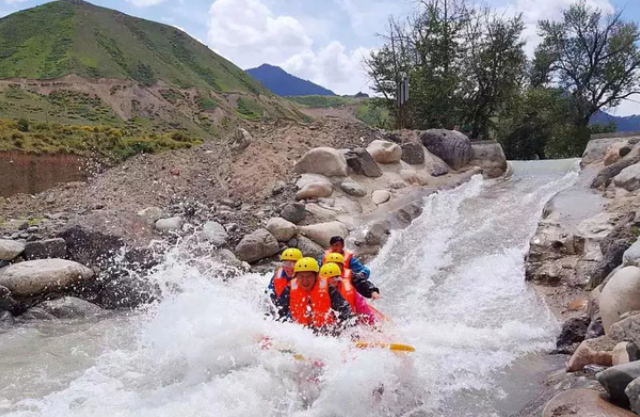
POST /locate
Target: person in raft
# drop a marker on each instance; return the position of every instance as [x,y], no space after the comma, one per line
[350,262]
[310,301]
[333,273]
[283,276]
[361,284]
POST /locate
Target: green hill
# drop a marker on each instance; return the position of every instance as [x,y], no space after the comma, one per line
[75,37]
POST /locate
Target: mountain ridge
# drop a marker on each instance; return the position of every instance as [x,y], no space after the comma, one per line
[281,83]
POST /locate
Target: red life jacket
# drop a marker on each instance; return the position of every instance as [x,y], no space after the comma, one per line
[347,257]
[280,282]
[319,314]
[347,290]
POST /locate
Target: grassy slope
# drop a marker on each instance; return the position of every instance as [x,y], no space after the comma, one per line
[365,109]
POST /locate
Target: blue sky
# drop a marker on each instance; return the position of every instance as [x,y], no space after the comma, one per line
[320,40]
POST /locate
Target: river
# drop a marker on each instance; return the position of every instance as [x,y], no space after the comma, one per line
[453,283]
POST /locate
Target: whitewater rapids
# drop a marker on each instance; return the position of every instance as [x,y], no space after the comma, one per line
[453,283]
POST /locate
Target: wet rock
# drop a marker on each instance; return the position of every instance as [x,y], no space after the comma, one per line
[620,295]
[490,157]
[413,153]
[315,190]
[257,245]
[309,247]
[230,259]
[631,256]
[46,249]
[625,352]
[633,394]
[241,140]
[385,152]
[323,232]
[281,229]
[616,379]
[121,290]
[378,233]
[595,329]
[353,188]
[32,278]
[294,213]
[215,233]
[361,162]
[573,332]
[89,247]
[70,308]
[6,318]
[324,161]
[582,403]
[151,215]
[451,146]
[380,197]
[169,225]
[628,178]
[7,302]
[10,249]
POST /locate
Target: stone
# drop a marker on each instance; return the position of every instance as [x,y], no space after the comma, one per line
[380,197]
[628,178]
[625,352]
[315,190]
[257,245]
[70,308]
[172,224]
[279,187]
[353,188]
[90,247]
[604,177]
[573,331]
[613,154]
[151,215]
[413,153]
[241,139]
[6,318]
[319,214]
[451,146]
[37,277]
[45,249]
[281,229]
[309,247]
[362,163]
[438,169]
[378,233]
[620,295]
[7,302]
[10,249]
[215,233]
[582,403]
[35,313]
[616,379]
[33,229]
[294,213]
[385,152]
[322,233]
[613,247]
[230,259]
[398,185]
[592,352]
[633,394]
[627,329]
[489,156]
[631,256]
[409,176]
[595,329]
[324,161]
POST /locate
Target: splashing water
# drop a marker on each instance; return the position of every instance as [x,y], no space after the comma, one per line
[453,283]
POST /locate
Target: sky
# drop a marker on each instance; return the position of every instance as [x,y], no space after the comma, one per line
[320,40]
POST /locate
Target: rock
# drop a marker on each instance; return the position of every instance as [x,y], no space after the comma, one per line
[279,187]
[309,247]
[6,318]
[151,215]
[361,162]
[613,247]
[353,188]
[35,314]
[215,233]
[378,233]
[490,157]
[628,178]
[45,249]
[604,177]
[620,295]
[413,153]
[24,226]
[625,352]
[318,214]
[626,329]
[257,245]
[573,331]
[70,308]
[89,247]
[613,153]
[438,169]
[10,249]
[294,213]
[324,161]
[322,233]
[582,403]
[380,197]
[42,276]
[633,394]
[230,259]
[385,152]
[398,185]
[409,176]
[169,225]
[315,190]
[631,256]
[281,229]
[451,146]
[592,351]
[33,229]
[595,329]
[6,299]
[241,139]
[616,379]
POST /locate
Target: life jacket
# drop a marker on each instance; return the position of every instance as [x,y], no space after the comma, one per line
[320,313]
[347,290]
[347,257]
[280,281]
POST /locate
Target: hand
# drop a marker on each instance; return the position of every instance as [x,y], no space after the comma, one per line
[360,275]
[375,296]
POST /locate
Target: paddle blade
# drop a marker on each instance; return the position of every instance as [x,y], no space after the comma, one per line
[396,347]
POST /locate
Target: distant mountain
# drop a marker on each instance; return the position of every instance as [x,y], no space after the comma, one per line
[282,83]
[623,123]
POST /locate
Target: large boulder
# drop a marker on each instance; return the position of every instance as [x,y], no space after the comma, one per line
[69,308]
[413,153]
[596,150]
[631,256]
[615,152]
[353,188]
[627,329]
[308,247]
[620,295]
[294,213]
[46,249]
[32,278]
[151,215]
[573,331]
[215,233]
[361,162]
[604,177]
[257,245]
[490,157]
[281,229]
[625,352]
[172,224]
[380,197]
[385,152]
[616,379]
[582,403]
[315,190]
[89,247]
[324,161]
[451,146]
[10,249]
[633,394]
[322,233]
[628,178]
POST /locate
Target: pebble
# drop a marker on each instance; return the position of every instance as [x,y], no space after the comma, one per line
[23,235]
[15,236]
[33,229]
[24,226]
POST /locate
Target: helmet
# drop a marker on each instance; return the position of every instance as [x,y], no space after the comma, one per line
[291,254]
[307,265]
[330,270]
[334,257]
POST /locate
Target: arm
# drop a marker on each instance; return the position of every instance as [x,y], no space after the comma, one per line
[271,289]
[363,286]
[358,268]
[340,305]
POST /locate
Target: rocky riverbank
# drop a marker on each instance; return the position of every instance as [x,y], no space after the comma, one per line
[84,247]
[584,260]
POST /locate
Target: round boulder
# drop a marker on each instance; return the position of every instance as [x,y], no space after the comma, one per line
[308,247]
[583,403]
[385,152]
[633,394]
[257,245]
[10,249]
[281,229]
[42,276]
[315,190]
[380,197]
[324,161]
[169,225]
[70,308]
[294,213]
[620,295]
[322,233]
[628,178]
[451,146]
[353,188]
[616,379]
[413,153]
[215,233]
[45,249]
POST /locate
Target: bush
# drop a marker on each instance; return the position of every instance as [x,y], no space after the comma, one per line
[23,125]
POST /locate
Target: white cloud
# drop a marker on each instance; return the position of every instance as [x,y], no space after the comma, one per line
[185,31]
[144,3]
[13,1]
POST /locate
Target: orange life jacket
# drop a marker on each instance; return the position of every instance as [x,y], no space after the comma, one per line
[319,314]
[347,257]
[347,290]
[280,282]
